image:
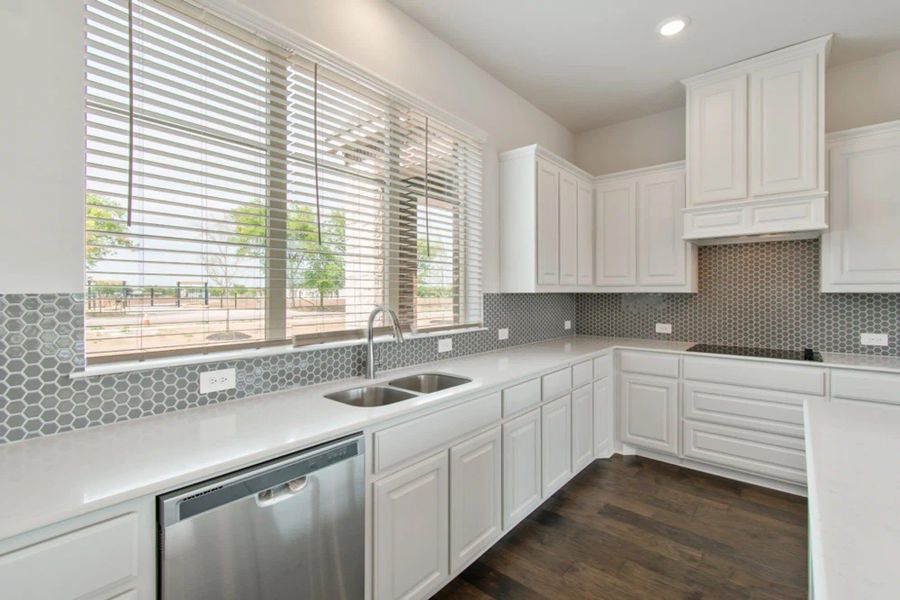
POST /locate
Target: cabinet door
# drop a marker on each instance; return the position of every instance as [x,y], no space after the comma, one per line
[568,229]
[861,250]
[411,530]
[521,467]
[603,418]
[662,254]
[784,118]
[650,412]
[475,489]
[614,233]
[547,223]
[582,427]
[717,141]
[585,233]
[556,444]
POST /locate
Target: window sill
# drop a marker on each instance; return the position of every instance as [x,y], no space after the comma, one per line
[244,354]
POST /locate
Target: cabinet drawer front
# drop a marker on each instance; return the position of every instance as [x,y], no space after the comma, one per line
[521,397]
[74,564]
[603,366]
[766,454]
[582,373]
[402,442]
[662,365]
[750,408]
[859,385]
[556,384]
[800,379]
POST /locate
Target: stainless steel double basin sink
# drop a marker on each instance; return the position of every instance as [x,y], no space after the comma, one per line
[397,390]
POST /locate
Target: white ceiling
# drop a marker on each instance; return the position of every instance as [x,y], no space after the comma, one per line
[589,63]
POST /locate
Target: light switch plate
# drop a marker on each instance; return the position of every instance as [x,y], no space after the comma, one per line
[216,381]
[567,324]
[873,339]
[445,344]
[663,328]
[503,333]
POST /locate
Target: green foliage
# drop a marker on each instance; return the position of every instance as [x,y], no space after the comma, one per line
[103,221]
[425,271]
[310,265]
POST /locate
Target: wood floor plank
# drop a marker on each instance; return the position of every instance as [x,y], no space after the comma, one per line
[631,527]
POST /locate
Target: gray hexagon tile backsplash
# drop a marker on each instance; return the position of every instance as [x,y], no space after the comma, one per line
[41,343]
[762,295]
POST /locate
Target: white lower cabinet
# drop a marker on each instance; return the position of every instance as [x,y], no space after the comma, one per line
[411,530]
[603,417]
[649,415]
[521,467]
[582,427]
[556,444]
[475,492]
[767,454]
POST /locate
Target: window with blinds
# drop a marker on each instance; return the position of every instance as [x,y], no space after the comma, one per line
[243,192]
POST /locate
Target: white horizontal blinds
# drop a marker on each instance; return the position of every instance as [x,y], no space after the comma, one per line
[270,196]
[209,110]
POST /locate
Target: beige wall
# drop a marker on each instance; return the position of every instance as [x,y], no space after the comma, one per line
[856,94]
[42,105]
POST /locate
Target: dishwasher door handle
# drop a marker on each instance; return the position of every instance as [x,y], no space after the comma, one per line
[282,492]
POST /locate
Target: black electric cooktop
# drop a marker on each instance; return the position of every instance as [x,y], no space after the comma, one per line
[805,354]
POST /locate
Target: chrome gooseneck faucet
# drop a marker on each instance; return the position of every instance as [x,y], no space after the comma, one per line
[370,333]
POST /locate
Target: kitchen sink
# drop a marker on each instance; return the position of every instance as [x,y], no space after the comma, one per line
[370,395]
[427,383]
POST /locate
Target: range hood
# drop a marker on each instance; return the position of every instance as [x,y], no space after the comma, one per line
[767,220]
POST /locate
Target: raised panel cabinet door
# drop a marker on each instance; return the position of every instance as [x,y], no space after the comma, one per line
[861,250]
[717,141]
[547,223]
[568,229]
[603,417]
[411,531]
[784,132]
[475,492]
[585,233]
[556,444]
[662,254]
[521,467]
[649,416]
[582,427]
[615,233]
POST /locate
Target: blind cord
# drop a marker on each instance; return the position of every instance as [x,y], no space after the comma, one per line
[316,147]
[427,211]
[130,108]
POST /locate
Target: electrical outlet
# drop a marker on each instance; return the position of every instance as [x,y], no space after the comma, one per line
[445,345]
[567,325]
[663,328]
[503,333]
[216,381]
[873,339]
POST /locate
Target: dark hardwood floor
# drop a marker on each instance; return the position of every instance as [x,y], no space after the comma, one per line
[631,527]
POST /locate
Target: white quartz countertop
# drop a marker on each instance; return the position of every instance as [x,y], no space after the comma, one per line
[50,479]
[853,471]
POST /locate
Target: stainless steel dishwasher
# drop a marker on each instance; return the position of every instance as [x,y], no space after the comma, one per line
[290,528]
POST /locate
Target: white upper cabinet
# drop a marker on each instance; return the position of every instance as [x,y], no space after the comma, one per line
[568,229]
[585,233]
[756,146]
[784,137]
[638,232]
[546,224]
[615,226]
[861,251]
[662,254]
[717,120]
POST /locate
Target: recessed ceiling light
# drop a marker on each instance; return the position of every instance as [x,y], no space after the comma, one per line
[672,26]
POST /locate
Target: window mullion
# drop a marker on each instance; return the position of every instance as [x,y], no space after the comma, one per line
[276,215]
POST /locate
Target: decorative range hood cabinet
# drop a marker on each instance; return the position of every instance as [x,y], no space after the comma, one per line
[756,148]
